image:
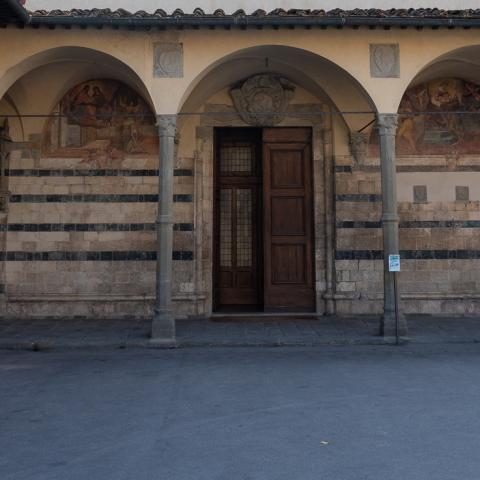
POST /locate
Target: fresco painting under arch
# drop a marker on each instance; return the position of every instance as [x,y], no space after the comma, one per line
[101,122]
[429,123]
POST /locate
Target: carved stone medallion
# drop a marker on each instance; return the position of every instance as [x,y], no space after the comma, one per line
[168,60]
[262,100]
[384,60]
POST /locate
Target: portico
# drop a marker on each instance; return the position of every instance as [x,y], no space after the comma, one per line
[188,164]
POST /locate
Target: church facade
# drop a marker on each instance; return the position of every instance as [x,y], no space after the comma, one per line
[173,165]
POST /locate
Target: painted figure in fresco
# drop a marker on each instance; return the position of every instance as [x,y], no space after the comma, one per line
[474,91]
[89,107]
[132,109]
[411,127]
[447,95]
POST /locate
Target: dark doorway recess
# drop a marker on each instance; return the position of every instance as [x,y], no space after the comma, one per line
[263,220]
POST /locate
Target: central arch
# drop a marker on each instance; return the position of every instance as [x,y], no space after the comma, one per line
[207,120]
[313,72]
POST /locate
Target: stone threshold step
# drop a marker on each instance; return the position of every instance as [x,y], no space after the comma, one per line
[262,317]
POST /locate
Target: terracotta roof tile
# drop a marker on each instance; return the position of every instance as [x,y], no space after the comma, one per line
[198,12]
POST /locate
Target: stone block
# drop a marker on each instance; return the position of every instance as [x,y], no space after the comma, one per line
[345,187]
[342,275]
[346,286]
[150,181]
[183,240]
[366,265]
[366,276]
[378,265]
[346,264]
[365,186]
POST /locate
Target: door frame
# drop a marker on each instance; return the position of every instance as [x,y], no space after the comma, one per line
[257,135]
[323,203]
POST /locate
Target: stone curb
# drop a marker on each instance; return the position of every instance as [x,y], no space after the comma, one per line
[146,343]
[45,345]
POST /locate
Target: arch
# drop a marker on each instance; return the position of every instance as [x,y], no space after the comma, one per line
[88,62]
[309,70]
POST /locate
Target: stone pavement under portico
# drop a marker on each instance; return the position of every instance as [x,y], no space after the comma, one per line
[263,332]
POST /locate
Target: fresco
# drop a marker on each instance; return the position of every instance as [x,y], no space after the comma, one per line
[101,121]
[438,132]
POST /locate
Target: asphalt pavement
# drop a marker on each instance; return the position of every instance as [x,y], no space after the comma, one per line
[310,413]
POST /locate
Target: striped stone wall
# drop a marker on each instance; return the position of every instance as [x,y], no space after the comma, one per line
[439,241]
[82,241]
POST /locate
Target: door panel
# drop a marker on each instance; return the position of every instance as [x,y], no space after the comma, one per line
[294,222]
[287,169]
[288,264]
[238,278]
[288,226]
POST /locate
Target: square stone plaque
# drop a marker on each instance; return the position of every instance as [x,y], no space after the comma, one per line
[384,60]
[420,194]
[168,60]
[462,194]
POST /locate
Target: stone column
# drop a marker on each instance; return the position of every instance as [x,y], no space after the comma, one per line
[163,324]
[387,126]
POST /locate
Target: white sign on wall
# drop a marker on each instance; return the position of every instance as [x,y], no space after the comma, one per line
[394,263]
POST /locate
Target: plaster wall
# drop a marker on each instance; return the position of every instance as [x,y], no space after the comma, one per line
[22,50]
[440,185]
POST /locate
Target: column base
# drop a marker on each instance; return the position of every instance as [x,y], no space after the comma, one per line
[388,327]
[162,343]
[163,330]
[329,303]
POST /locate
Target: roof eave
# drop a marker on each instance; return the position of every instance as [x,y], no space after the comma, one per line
[208,21]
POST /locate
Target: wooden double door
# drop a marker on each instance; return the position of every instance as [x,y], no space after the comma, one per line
[263,223]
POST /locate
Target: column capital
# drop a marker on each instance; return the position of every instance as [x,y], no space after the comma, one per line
[167,125]
[387,123]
